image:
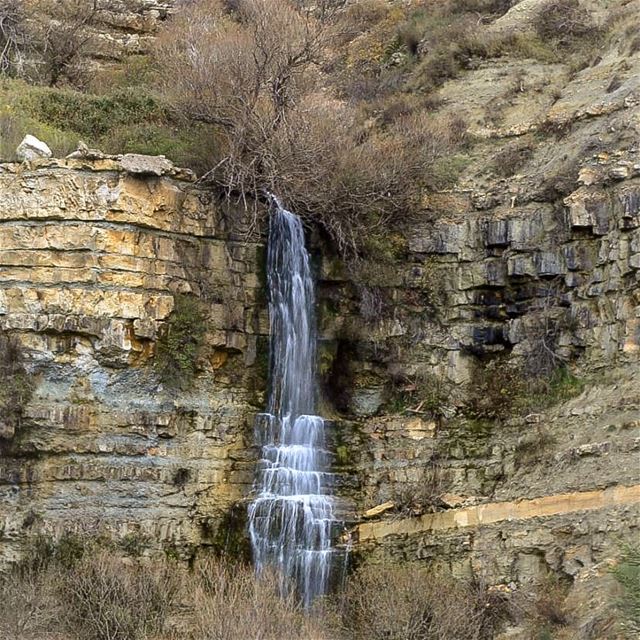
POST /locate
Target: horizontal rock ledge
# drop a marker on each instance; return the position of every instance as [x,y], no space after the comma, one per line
[498,511]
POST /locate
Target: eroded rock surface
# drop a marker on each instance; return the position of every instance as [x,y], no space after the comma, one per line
[92,257]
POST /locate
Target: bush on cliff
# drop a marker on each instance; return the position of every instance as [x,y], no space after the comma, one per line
[257,72]
[17,385]
[179,343]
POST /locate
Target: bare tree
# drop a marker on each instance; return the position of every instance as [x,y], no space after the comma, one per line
[254,70]
[61,37]
[12,36]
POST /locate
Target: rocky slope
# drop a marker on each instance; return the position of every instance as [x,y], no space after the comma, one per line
[518,269]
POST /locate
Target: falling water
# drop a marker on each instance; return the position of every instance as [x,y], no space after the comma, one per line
[291,520]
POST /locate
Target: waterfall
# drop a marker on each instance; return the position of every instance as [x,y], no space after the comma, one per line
[291,519]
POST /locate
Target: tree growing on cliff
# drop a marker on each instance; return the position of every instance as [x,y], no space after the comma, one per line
[13,36]
[48,40]
[257,70]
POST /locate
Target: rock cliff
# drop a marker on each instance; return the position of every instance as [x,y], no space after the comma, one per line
[526,267]
[528,264]
[93,254]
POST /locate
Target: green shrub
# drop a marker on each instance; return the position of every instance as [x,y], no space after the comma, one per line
[445,172]
[190,146]
[93,116]
[627,573]
[133,72]
[16,122]
[179,343]
[17,385]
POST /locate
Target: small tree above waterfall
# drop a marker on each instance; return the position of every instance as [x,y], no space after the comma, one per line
[259,71]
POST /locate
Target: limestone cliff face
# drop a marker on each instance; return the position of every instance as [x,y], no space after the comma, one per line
[92,254]
[521,268]
[123,28]
[511,267]
[473,296]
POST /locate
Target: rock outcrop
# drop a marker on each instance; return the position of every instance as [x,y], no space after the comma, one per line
[31,148]
[527,265]
[92,255]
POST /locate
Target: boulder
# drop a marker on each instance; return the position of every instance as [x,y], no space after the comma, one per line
[379,509]
[146,165]
[31,148]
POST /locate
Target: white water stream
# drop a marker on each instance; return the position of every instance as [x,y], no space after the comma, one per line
[291,520]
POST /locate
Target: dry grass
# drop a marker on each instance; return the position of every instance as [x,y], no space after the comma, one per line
[229,603]
[406,602]
[82,589]
[102,596]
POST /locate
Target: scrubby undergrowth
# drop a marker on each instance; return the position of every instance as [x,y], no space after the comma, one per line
[334,106]
[87,588]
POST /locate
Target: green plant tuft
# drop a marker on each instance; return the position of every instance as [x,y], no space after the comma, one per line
[179,344]
[627,573]
[17,385]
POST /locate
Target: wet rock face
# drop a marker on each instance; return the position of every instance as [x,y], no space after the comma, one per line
[93,254]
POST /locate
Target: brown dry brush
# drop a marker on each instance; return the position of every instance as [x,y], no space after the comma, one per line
[83,590]
[255,72]
[412,602]
[98,595]
[48,41]
[229,602]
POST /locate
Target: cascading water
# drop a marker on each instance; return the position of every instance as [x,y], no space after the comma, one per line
[291,520]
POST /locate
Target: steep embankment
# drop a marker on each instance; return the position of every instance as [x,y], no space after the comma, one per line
[489,369]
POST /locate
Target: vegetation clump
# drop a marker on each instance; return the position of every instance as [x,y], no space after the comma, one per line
[627,573]
[333,106]
[180,341]
[97,594]
[255,72]
[17,384]
[83,586]
[413,602]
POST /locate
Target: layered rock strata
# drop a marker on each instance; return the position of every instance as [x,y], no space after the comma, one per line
[92,255]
